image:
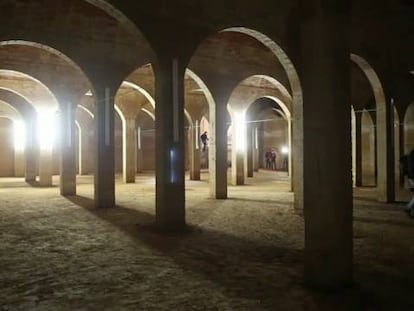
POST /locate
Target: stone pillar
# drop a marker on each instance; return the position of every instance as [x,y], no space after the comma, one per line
[170,151]
[85,151]
[45,167]
[256,152]
[385,152]
[139,151]
[31,151]
[289,156]
[358,149]
[218,148]
[105,152]
[79,150]
[129,136]
[68,150]
[193,137]
[250,151]
[237,155]
[327,144]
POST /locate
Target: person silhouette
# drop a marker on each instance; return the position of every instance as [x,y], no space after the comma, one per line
[204,140]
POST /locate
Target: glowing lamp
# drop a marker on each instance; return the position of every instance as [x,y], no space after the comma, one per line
[285,150]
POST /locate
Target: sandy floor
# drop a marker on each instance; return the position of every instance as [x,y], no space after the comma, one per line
[244,253]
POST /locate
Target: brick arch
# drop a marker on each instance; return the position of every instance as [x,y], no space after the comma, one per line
[18,101]
[53,100]
[381,119]
[297,102]
[245,95]
[74,75]
[116,14]
[12,113]
[202,85]
[107,44]
[148,92]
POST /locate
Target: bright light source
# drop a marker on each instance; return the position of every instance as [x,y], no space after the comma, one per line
[19,135]
[46,122]
[285,150]
[240,129]
[89,93]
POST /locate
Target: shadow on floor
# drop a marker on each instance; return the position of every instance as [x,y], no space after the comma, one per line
[246,269]
[377,221]
[260,201]
[36,184]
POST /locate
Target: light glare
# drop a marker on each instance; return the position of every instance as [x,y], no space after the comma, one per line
[46,129]
[240,128]
[19,135]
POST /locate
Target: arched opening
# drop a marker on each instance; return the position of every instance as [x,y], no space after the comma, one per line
[197,102]
[382,138]
[85,140]
[53,101]
[221,83]
[270,132]
[204,128]
[46,106]
[368,138]
[272,116]
[146,143]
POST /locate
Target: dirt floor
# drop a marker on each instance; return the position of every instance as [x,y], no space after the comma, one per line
[244,253]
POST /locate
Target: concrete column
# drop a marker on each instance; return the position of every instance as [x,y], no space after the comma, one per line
[45,168]
[79,150]
[237,156]
[290,155]
[194,147]
[327,144]
[139,151]
[256,152]
[129,136]
[170,151]
[385,153]
[105,152]
[249,165]
[84,151]
[68,150]
[218,149]
[358,149]
[31,150]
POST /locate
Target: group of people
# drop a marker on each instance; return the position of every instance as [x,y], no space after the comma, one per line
[407,169]
[270,157]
